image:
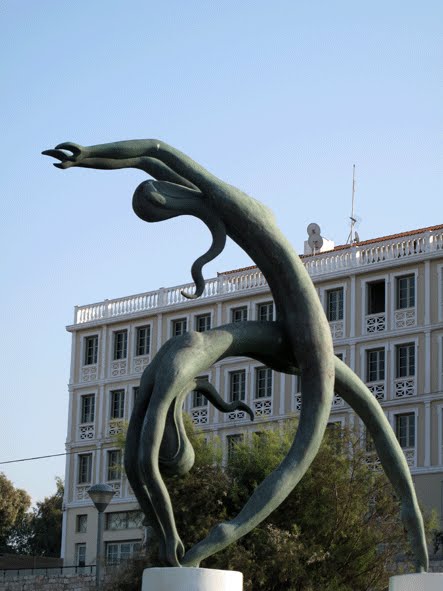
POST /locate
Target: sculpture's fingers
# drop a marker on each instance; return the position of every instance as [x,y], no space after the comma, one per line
[59,154]
[76,149]
[361,400]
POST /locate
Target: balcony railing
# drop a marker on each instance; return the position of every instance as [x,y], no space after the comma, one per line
[377,389]
[375,322]
[354,257]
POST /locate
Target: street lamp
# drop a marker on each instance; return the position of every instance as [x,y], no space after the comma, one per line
[101,495]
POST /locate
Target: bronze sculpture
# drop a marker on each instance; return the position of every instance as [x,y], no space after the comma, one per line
[298,342]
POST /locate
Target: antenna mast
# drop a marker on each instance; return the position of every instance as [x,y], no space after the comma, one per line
[351,236]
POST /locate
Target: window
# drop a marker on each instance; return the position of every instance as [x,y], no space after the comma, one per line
[117,404]
[239,314]
[405,429]
[142,340]
[84,468]
[405,360]
[203,323]
[81,525]
[179,327]
[237,385]
[91,350]
[405,292]
[135,393]
[233,441]
[80,555]
[334,304]
[120,344]
[117,552]
[87,408]
[375,365]
[376,297]
[197,397]
[263,382]
[124,520]
[114,464]
[265,312]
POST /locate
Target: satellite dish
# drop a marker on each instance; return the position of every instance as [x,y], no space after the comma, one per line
[313,229]
[315,240]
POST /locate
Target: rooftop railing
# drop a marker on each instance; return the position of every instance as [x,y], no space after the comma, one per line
[335,261]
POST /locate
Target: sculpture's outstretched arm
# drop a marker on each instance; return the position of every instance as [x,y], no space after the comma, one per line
[177,161]
[152,166]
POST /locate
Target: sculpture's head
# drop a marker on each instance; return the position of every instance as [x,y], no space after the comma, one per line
[155,201]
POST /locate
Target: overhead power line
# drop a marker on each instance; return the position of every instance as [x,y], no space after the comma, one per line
[67,453]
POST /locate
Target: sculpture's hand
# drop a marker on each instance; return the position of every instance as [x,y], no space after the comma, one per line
[78,153]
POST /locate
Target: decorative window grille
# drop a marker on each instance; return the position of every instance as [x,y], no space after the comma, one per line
[405,297]
[239,314]
[142,340]
[114,470]
[334,304]
[87,414]
[203,322]
[405,429]
[124,520]
[81,525]
[84,468]
[237,385]
[375,365]
[263,382]
[405,360]
[91,350]
[179,327]
[117,552]
[265,312]
[117,404]
[120,344]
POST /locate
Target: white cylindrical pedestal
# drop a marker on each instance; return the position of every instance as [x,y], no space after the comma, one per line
[191,579]
[417,582]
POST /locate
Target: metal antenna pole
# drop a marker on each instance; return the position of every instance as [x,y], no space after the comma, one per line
[350,239]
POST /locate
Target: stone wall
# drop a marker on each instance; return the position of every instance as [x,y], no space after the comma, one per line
[49,583]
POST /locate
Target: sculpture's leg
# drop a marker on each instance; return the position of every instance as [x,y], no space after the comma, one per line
[356,394]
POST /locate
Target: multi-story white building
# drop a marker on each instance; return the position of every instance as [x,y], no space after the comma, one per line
[384,301]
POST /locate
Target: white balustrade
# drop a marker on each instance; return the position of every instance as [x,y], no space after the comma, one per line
[89,373]
[377,389]
[410,456]
[81,492]
[115,427]
[263,407]
[375,322]
[344,259]
[337,329]
[405,318]
[404,387]
[199,416]
[86,431]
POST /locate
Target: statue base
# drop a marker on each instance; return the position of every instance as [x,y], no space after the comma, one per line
[417,582]
[191,579]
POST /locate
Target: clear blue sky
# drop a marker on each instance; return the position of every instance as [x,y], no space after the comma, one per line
[279,98]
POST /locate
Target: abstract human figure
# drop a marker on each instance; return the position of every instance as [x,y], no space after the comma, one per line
[298,342]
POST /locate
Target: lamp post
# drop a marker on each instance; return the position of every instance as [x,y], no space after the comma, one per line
[101,495]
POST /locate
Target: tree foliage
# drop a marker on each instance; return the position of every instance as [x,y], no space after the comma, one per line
[14,503]
[38,533]
[339,530]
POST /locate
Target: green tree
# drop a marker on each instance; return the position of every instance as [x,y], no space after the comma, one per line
[339,530]
[14,503]
[38,533]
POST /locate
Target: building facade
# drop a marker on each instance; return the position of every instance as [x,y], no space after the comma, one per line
[384,302]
